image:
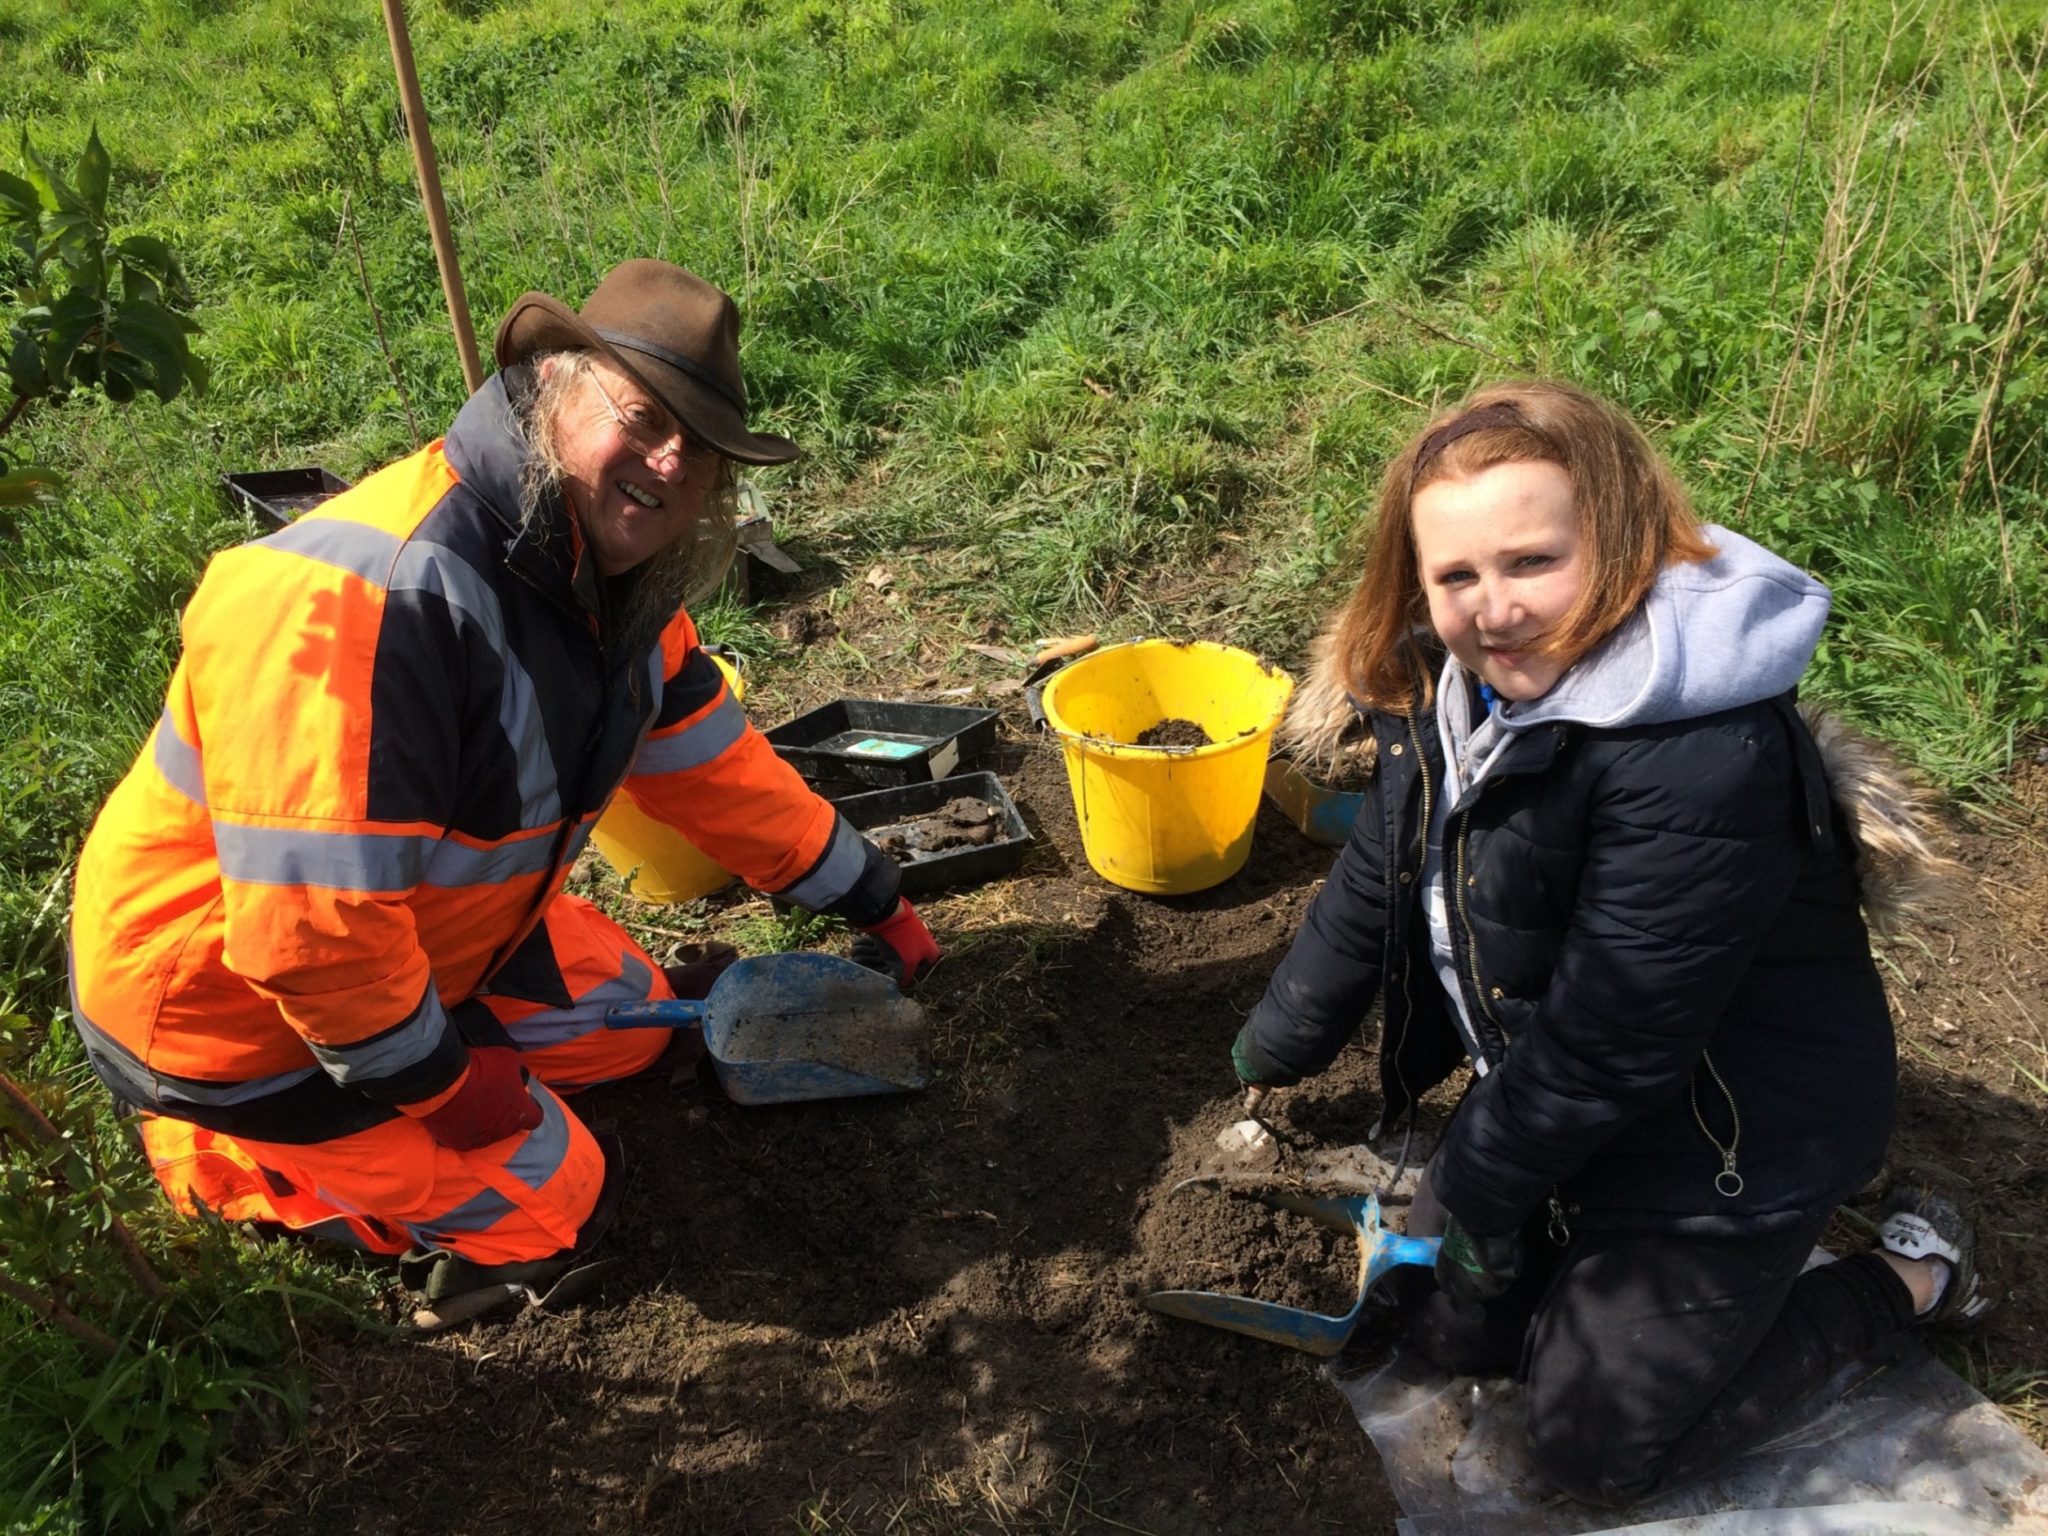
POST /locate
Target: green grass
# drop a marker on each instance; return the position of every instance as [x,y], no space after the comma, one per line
[1100,314]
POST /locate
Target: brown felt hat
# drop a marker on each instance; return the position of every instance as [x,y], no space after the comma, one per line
[675,333]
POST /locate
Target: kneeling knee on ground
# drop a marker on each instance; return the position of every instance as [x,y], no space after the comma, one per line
[1596,1468]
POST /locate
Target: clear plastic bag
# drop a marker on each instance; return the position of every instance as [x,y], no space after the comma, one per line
[1896,1444]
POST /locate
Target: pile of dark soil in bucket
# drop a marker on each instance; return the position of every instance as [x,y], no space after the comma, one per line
[1217,1240]
[966,822]
[1174,733]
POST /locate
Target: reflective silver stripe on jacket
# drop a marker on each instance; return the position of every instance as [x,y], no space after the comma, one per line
[178,761]
[352,547]
[479,1213]
[391,1052]
[127,1075]
[695,745]
[546,1147]
[452,864]
[836,874]
[341,861]
[633,984]
[370,862]
[539,1157]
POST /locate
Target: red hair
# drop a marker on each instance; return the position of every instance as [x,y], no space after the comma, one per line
[1634,518]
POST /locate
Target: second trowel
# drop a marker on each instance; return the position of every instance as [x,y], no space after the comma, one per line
[781,1029]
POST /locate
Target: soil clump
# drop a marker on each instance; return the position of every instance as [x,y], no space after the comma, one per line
[1175,732]
[965,822]
[1218,1240]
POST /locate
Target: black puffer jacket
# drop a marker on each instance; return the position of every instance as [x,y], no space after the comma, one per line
[1655,926]
[1657,931]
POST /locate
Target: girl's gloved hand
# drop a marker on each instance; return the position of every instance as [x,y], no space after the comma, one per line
[1472,1270]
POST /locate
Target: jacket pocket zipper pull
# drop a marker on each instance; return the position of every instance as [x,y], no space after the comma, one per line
[1560,1233]
[1728,1182]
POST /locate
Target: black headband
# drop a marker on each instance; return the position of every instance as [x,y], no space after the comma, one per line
[1500,414]
[677,361]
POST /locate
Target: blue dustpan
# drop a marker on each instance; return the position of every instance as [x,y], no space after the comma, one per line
[781,1029]
[1318,1333]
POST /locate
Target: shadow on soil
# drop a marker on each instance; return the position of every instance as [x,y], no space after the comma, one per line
[923,1314]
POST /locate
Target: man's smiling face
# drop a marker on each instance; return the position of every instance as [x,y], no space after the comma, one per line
[630,470]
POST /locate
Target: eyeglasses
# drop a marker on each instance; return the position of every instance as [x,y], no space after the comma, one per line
[645,435]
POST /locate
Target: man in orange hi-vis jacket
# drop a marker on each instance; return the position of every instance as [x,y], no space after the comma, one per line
[320,939]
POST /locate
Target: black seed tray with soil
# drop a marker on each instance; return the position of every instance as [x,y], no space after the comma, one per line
[949,832]
[884,742]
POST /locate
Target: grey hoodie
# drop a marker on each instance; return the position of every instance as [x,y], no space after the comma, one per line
[1711,635]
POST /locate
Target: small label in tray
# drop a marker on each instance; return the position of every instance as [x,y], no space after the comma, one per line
[876,746]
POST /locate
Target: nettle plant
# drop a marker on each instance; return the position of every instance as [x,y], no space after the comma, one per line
[90,311]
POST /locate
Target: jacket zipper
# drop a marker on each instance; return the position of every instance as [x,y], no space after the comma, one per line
[1421,767]
[1394,861]
[1560,1229]
[1728,1182]
[1465,918]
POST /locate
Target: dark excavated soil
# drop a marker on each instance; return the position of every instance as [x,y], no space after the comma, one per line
[962,823]
[1174,733]
[932,1302]
[925,1314]
[1216,1240]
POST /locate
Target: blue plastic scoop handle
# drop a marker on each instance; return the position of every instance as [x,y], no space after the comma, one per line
[669,1013]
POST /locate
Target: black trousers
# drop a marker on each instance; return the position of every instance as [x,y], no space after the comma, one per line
[1652,1359]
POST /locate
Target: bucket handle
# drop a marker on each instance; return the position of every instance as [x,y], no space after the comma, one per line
[1034,702]
[1059,654]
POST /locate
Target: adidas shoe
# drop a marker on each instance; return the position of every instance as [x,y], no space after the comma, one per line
[1926,1219]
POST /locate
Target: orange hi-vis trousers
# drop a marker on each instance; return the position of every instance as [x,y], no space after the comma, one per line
[392,1187]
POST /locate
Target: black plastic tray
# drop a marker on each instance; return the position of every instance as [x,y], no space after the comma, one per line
[277,496]
[881,742]
[954,866]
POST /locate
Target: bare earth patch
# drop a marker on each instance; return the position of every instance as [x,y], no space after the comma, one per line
[924,1314]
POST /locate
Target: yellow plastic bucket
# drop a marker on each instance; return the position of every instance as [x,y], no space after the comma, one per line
[1166,820]
[656,861]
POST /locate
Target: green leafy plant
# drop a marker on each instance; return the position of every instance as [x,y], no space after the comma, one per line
[95,311]
[142,1368]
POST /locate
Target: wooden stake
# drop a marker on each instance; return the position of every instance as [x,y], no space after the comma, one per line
[430,193]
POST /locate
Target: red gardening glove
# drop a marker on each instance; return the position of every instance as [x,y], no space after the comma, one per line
[491,1104]
[899,946]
